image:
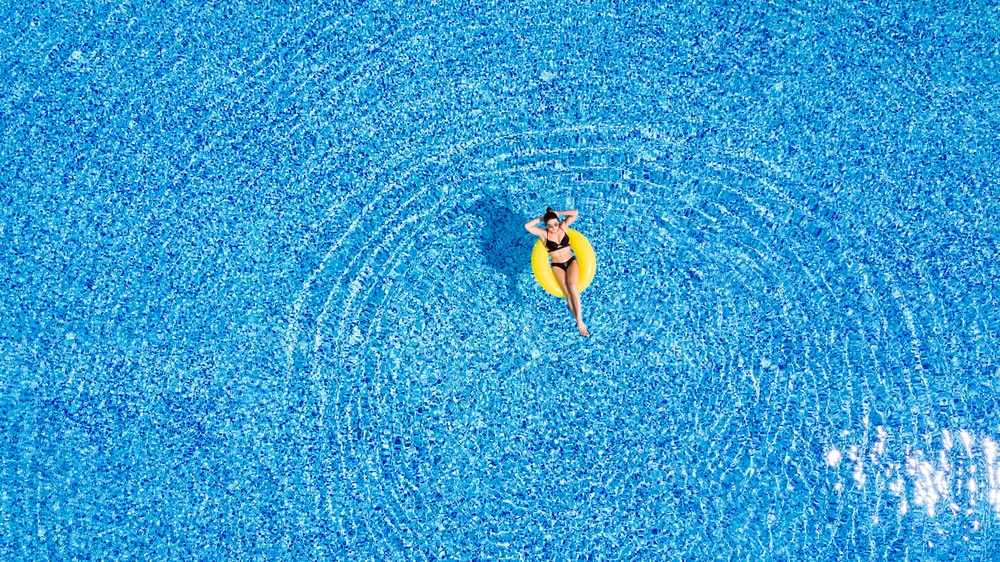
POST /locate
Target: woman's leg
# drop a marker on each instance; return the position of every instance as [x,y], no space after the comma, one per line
[573,295]
[560,276]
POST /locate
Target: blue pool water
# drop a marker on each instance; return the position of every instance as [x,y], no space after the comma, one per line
[267,295]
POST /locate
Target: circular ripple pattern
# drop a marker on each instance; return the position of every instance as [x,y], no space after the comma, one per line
[794,319]
[742,322]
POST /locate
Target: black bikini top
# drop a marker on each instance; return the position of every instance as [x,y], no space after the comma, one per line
[552,246]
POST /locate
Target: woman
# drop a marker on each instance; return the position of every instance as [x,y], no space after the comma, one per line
[564,265]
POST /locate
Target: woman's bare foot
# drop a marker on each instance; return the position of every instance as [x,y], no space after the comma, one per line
[583,328]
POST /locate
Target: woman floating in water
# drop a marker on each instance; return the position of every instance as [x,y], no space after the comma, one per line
[564,264]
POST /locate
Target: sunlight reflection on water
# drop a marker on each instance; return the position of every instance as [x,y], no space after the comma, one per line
[952,472]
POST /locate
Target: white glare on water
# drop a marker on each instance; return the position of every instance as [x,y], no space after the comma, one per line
[934,479]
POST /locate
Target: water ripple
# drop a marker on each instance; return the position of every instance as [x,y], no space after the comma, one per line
[756,315]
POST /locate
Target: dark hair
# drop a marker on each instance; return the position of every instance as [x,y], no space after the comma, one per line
[549,215]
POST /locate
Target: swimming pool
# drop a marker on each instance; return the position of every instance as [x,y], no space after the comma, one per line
[268,296]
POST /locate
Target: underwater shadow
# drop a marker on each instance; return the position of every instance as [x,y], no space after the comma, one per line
[505,245]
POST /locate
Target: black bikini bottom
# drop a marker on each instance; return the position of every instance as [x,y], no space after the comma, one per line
[564,265]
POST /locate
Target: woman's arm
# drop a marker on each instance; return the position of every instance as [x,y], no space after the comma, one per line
[571,216]
[530,227]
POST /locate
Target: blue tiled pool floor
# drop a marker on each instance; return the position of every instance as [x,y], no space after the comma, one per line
[267,294]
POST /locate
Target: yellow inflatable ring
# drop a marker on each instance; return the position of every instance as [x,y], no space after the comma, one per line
[584,257]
